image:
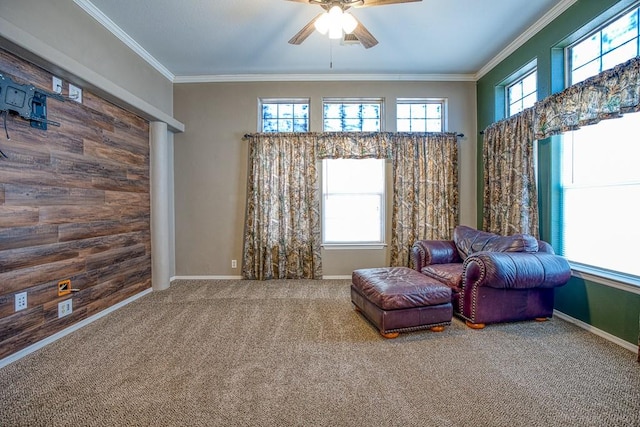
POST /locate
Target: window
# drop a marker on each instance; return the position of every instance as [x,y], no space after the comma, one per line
[611,45]
[416,115]
[353,200]
[284,115]
[600,180]
[353,190]
[522,93]
[601,189]
[352,115]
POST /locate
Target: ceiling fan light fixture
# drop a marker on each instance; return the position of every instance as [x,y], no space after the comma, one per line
[323,23]
[335,22]
[335,32]
[349,23]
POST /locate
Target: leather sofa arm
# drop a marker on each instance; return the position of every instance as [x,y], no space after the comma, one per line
[515,270]
[427,252]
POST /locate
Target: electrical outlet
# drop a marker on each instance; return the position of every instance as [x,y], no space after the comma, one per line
[234,263]
[56,84]
[75,93]
[65,308]
[21,301]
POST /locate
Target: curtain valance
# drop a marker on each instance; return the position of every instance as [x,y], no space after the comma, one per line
[357,145]
[608,95]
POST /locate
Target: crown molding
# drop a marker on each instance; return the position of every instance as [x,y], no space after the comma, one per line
[546,19]
[106,22]
[229,78]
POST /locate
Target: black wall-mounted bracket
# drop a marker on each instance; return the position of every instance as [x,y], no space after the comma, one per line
[27,101]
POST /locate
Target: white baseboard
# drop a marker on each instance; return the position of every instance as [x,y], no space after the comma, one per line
[205,278]
[342,277]
[599,332]
[37,346]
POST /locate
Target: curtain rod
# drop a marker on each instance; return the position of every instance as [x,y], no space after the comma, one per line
[459,135]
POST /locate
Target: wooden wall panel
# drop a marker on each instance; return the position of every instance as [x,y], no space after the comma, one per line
[74,204]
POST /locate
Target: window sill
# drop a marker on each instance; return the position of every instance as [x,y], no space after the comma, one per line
[351,246]
[606,278]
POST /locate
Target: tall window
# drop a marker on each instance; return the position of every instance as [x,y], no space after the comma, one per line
[353,190]
[420,115]
[284,115]
[353,199]
[601,191]
[600,183]
[522,93]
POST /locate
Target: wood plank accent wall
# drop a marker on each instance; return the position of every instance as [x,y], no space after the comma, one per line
[74,204]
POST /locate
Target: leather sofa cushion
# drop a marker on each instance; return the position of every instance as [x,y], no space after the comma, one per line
[392,288]
[448,274]
[469,240]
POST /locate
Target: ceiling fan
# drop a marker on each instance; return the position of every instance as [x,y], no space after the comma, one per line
[335,21]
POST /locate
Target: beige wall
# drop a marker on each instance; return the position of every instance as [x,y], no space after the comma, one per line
[77,40]
[211,162]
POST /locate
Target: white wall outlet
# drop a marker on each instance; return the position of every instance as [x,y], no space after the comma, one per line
[56,84]
[75,93]
[234,263]
[65,308]
[21,301]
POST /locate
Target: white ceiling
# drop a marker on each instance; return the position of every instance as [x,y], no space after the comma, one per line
[200,40]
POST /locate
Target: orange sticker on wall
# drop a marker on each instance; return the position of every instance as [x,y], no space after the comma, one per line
[64,287]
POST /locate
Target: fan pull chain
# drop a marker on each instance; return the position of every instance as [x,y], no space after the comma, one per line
[330,54]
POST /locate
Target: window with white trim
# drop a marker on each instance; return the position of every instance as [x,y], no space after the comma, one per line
[284,115]
[600,180]
[612,44]
[353,201]
[522,93]
[344,115]
[353,190]
[420,115]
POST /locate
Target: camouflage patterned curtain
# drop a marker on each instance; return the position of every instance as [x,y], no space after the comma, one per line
[282,236]
[510,192]
[607,95]
[354,145]
[425,190]
[510,195]
[282,230]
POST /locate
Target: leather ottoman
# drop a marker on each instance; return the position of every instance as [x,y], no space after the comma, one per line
[400,299]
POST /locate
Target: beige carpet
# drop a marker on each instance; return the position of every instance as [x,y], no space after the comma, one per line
[285,353]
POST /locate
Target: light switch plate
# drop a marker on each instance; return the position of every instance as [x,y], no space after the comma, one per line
[75,93]
[56,84]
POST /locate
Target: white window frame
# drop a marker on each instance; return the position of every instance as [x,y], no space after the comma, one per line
[373,244]
[383,196]
[525,73]
[425,101]
[568,56]
[345,101]
[283,101]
